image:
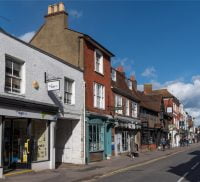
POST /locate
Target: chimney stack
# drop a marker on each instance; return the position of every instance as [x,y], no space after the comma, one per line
[147,88]
[134,82]
[57,15]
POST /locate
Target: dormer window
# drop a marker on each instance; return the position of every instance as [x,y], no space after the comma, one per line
[130,84]
[113,75]
[98,57]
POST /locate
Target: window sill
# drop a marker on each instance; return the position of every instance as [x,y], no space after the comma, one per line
[66,104]
[16,94]
[101,74]
[102,109]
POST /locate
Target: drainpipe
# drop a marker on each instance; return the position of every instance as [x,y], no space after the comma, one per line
[84,124]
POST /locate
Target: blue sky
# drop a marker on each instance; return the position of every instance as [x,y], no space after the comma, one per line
[159,41]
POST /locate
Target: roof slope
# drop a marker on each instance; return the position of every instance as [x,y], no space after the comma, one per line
[151,102]
[120,87]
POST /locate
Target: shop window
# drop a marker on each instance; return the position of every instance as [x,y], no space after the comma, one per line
[99,96]
[98,57]
[69,96]
[96,137]
[13,75]
[40,134]
[118,104]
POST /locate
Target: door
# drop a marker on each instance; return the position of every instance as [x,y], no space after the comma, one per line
[17,153]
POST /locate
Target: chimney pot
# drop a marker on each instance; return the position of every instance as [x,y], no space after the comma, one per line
[120,69]
[55,8]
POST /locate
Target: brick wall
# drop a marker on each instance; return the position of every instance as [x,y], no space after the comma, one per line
[91,76]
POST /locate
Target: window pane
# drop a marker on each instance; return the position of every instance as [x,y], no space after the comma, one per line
[16,85]
[40,140]
[16,69]
[8,67]
[8,84]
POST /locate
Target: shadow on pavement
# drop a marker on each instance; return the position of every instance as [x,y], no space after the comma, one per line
[184,168]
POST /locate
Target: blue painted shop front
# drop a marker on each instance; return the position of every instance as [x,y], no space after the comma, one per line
[98,138]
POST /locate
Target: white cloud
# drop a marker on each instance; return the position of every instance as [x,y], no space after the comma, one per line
[127,63]
[75,13]
[188,93]
[149,72]
[27,36]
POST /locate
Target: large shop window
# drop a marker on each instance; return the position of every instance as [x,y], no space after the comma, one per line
[40,132]
[96,137]
[13,75]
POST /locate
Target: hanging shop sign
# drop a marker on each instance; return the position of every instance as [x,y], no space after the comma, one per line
[53,85]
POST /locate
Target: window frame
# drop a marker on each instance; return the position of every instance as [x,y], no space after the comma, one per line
[72,93]
[117,98]
[12,76]
[127,108]
[134,110]
[113,75]
[101,66]
[101,96]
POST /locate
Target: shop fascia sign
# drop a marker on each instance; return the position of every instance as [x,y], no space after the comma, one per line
[53,83]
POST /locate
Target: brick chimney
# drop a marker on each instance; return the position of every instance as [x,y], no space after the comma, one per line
[147,88]
[57,16]
[134,82]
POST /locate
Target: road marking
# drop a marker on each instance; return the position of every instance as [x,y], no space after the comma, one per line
[183,177]
[193,167]
[131,167]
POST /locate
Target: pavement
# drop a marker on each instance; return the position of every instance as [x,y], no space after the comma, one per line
[99,170]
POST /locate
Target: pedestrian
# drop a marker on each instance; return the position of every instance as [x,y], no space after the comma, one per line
[163,143]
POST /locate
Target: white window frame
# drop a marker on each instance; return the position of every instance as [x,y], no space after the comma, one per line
[127,108]
[67,92]
[130,84]
[114,75]
[134,109]
[118,103]
[99,96]
[20,78]
[101,68]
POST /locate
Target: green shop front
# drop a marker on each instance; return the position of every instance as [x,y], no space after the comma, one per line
[98,137]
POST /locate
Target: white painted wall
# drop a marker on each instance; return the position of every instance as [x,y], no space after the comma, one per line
[35,65]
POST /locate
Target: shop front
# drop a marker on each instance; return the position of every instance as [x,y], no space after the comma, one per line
[24,141]
[98,136]
[26,135]
[125,130]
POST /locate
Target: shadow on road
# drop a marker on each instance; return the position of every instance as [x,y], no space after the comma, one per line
[193,174]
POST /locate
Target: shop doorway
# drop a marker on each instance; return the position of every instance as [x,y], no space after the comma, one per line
[16,143]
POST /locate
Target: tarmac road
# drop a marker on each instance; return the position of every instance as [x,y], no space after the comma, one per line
[181,167]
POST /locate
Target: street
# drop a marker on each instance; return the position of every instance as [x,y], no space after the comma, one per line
[183,166]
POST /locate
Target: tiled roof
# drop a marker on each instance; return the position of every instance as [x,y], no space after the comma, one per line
[151,102]
[120,87]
